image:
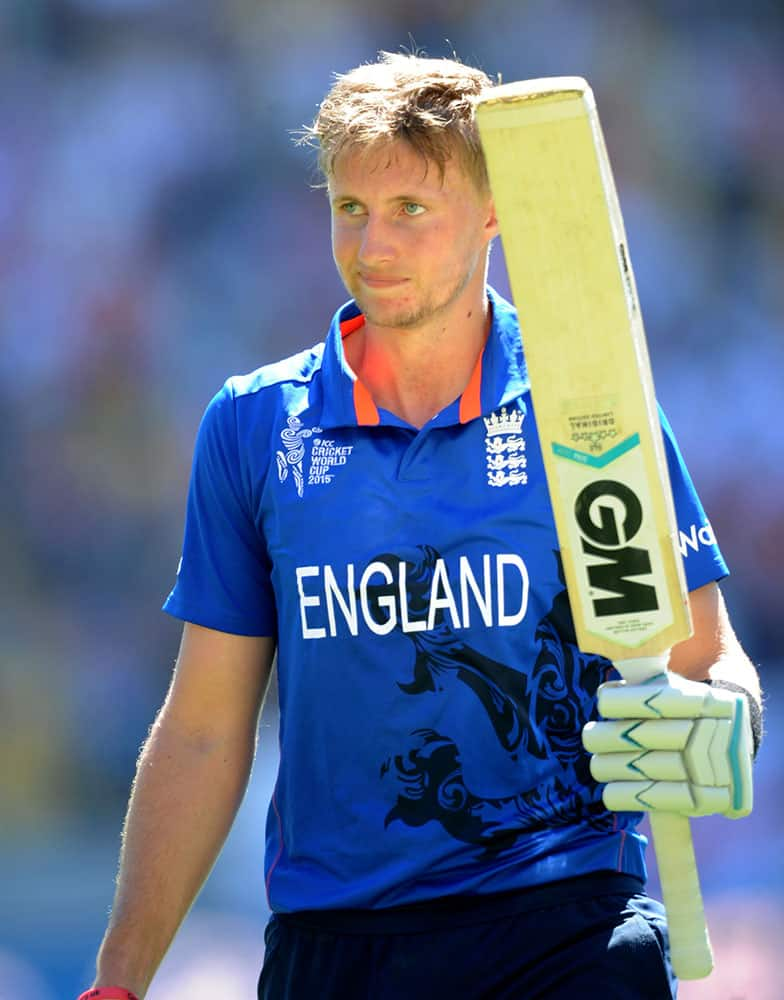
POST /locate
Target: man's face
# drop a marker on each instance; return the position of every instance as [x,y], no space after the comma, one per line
[407,244]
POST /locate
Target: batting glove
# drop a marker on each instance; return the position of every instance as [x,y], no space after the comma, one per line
[672,744]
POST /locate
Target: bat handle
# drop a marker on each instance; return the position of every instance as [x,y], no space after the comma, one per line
[690,947]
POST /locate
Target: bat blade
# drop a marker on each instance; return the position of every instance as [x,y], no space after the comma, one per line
[595,408]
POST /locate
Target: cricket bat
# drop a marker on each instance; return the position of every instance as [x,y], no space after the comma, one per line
[592,389]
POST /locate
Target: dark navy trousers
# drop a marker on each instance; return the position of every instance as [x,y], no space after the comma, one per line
[594,936]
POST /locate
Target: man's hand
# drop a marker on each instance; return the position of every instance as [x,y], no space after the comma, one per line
[672,744]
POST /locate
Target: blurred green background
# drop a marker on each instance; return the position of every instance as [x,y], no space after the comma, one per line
[159,231]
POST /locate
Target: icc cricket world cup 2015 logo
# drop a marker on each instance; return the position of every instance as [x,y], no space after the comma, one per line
[293,438]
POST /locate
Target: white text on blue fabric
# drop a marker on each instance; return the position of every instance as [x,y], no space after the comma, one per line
[378,597]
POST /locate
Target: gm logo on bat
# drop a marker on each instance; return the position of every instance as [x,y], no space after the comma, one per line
[609,515]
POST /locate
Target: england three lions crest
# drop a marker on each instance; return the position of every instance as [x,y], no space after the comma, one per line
[505,448]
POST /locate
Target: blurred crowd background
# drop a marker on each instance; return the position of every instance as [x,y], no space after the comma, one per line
[159,230]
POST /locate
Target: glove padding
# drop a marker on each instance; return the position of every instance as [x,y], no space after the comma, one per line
[674,745]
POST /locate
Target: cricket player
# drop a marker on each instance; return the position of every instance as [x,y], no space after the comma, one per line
[374,510]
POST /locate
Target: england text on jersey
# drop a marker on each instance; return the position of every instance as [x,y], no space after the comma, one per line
[377,596]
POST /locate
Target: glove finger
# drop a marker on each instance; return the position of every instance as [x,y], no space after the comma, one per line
[622,736]
[676,699]
[648,701]
[656,765]
[706,754]
[668,796]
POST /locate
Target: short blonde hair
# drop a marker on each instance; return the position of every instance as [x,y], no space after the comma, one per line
[429,103]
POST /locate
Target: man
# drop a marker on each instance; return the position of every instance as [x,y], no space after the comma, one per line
[434,829]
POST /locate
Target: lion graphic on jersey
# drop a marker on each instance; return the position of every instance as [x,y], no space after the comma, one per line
[525,769]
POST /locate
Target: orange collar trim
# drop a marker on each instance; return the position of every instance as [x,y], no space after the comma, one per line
[471,400]
[350,325]
[364,407]
[366,410]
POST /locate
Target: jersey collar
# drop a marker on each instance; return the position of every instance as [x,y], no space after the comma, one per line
[499,375]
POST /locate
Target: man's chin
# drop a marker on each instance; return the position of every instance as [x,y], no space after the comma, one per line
[392,315]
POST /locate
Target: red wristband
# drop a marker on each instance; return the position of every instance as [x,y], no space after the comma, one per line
[107,993]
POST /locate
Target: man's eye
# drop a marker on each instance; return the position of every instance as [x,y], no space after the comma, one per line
[350,208]
[413,208]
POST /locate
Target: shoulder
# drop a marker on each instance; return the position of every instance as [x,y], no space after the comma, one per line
[266,386]
[246,407]
[506,322]
[250,406]
[503,310]
[299,369]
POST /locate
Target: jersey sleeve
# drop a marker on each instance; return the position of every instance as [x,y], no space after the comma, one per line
[223,580]
[702,559]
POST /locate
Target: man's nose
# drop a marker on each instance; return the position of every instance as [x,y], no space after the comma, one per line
[378,243]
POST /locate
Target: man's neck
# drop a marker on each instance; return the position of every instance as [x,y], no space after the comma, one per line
[415,373]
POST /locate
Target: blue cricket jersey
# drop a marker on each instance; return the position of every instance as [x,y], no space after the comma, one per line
[431,692]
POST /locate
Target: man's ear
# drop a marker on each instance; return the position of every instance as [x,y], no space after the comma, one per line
[491,221]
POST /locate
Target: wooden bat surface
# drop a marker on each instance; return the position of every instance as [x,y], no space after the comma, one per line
[597,418]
